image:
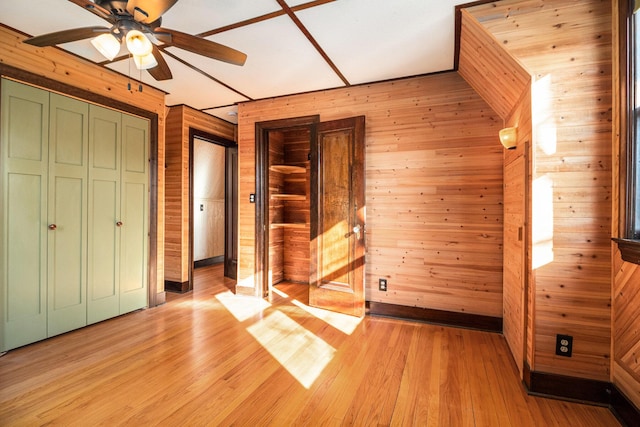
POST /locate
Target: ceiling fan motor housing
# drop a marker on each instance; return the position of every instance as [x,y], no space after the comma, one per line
[118,7]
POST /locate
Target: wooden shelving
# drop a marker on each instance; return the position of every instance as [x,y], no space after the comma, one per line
[288,197]
[287,169]
[289,225]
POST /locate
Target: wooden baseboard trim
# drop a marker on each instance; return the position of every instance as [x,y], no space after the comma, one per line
[624,410]
[570,388]
[582,390]
[180,287]
[208,261]
[448,318]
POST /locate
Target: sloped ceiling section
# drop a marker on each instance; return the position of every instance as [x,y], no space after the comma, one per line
[292,46]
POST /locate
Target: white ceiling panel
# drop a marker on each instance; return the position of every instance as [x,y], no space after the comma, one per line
[373,40]
[187,87]
[36,17]
[229,114]
[280,60]
[199,16]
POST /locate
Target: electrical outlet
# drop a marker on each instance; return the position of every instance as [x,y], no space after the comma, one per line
[382,285]
[564,345]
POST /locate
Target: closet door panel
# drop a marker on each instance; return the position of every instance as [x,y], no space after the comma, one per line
[23,222]
[135,214]
[67,271]
[104,214]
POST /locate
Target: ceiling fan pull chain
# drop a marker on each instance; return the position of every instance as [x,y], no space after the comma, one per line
[129,74]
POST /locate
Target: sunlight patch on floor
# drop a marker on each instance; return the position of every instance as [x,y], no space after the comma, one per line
[303,354]
[342,322]
[279,292]
[242,307]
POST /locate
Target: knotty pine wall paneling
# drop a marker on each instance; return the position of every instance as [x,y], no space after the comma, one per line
[625,369]
[180,119]
[433,189]
[506,86]
[56,65]
[566,46]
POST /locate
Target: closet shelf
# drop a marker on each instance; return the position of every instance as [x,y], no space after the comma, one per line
[281,196]
[287,169]
[289,224]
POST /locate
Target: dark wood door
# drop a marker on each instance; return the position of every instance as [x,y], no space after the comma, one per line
[338,216]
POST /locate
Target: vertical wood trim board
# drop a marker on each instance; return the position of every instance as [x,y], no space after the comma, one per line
[433,189]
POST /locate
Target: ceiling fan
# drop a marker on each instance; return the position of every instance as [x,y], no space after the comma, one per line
[137,23]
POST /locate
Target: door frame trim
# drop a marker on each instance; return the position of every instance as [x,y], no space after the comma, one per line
[262,129]
[226,143]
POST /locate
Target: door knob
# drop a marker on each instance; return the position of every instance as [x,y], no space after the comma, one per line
[356,230]
[119,223]
[52,226]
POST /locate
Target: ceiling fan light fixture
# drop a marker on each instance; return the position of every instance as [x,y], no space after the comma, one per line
[138,44]
[144,62]
[107,44]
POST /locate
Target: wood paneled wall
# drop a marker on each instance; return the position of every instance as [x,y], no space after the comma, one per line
[506,86]
[179,120]
[566,45]
[52,63]
[433,188]
[626,276]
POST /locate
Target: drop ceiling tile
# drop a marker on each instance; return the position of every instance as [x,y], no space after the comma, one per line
[294,3]
[37,17]
[198,16]
[230,113]
[187,86]
[280,60]
[373,40]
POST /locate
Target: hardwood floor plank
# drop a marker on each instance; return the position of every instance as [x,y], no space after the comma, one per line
[413,397]
[209,357]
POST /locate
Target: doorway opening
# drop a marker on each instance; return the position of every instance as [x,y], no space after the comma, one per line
[310,213]
[213,188]
[283,201]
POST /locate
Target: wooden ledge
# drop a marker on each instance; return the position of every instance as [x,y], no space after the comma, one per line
[629,249]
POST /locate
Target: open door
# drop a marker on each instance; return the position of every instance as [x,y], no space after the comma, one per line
[338,217]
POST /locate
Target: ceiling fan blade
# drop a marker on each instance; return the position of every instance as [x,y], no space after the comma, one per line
[161,71]
[147,11]
[66,36]
[95,9]
[205,47]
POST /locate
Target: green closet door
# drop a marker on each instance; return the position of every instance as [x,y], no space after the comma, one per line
[103,260]
[23,216]
[68,148]
[134,214]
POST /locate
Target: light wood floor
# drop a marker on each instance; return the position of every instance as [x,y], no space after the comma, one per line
[212,358]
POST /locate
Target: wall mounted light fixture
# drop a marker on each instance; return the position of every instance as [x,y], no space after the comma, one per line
[509,137]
